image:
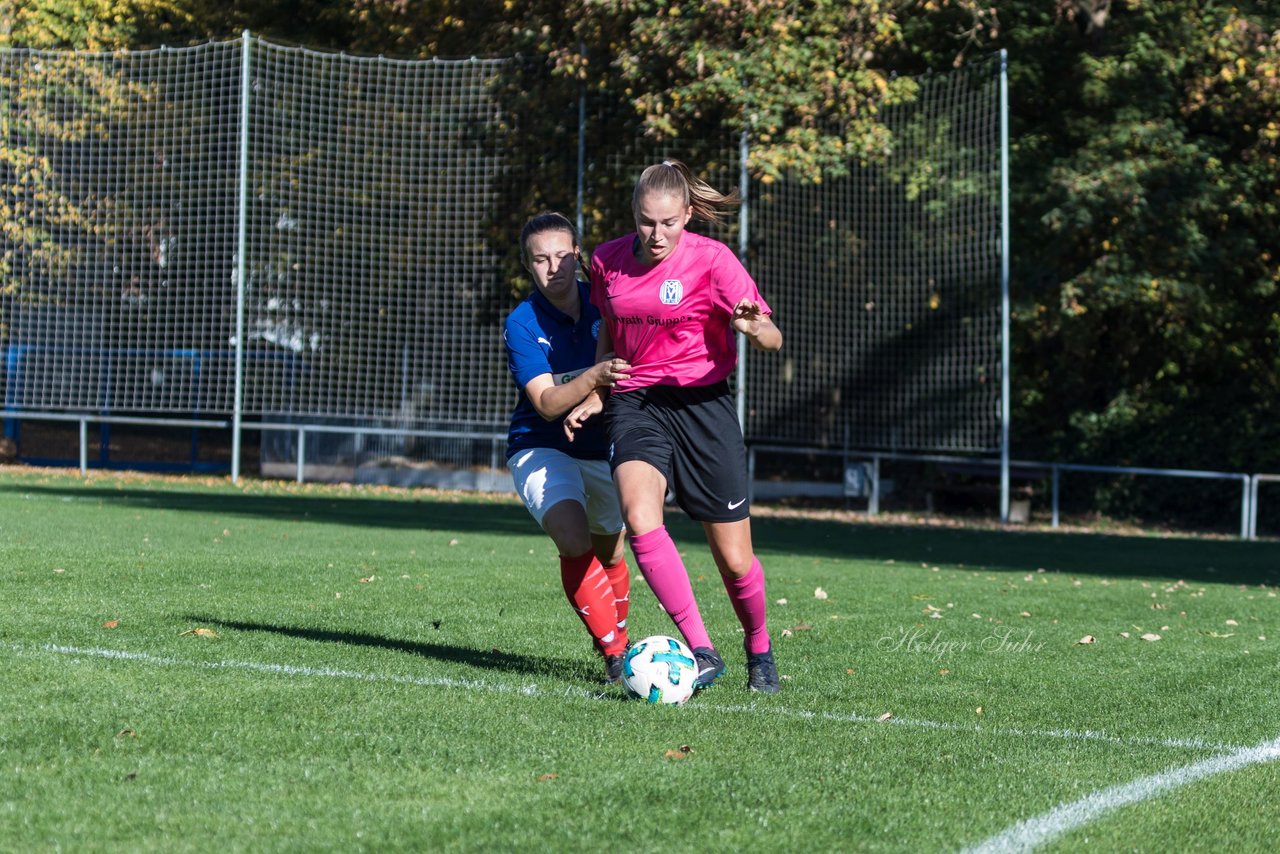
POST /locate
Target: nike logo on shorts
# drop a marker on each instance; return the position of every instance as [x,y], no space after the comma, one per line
[734,505]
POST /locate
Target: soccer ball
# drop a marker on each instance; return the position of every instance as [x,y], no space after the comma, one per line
[659,669]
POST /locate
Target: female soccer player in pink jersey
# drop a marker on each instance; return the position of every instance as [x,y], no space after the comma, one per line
[672,301]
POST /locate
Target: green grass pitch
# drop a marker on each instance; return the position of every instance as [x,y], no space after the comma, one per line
[193,666]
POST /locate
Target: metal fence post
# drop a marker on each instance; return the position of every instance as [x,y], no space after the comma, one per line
[873,506]
[84,447]
[302,453]
[744,186]
[1056,477]
[242,252]
[582,143]
[1004,287]
[1245,503]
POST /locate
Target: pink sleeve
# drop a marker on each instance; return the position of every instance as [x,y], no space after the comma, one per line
[596,277]
[733,282]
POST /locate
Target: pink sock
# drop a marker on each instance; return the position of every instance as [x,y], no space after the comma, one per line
[661,566]
[747,595]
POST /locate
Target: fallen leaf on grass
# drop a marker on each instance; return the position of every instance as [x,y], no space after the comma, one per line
[1232,623]
[978,710]
[1151,636]
[201,632]
[819,593]
[59,570]
[453,542]
[782,601]
[943,672]
[786,633]
[546,777]
[126,733]
[1025,614]
[369,579]
[1087,639]
[885,717]
[682,752]
[802,627]
[851,670]
[1124,634]
[111,624]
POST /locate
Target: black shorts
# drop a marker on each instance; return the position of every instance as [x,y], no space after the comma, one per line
[691,435]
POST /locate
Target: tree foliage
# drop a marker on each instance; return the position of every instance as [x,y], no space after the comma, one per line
[1144,162]
[89,24]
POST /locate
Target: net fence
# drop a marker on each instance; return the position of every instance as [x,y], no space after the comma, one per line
[117,194]
[370,287]
[379,256]
[886,283]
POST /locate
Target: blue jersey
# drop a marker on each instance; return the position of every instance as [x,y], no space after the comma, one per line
[541,339]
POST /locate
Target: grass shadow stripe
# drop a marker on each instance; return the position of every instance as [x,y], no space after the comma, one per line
[529,690]
[533,690]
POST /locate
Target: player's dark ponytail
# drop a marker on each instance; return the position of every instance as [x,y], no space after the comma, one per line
[674,178]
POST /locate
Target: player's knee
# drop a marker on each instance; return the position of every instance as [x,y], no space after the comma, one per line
[736,568]
[571,543]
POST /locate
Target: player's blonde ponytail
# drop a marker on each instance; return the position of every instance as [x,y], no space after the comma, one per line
[672,177]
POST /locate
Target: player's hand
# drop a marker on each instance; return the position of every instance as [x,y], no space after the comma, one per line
[747,316]
[578,417]
[609,372]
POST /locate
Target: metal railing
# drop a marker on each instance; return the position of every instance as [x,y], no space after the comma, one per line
[1248,482]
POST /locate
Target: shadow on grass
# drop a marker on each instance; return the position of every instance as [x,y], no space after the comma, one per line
[582,671]
[430,511]
[1208,560]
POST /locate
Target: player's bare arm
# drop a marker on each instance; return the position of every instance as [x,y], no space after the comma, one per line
[553,400]
[759,328]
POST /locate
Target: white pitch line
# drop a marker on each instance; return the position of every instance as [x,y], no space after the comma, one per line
[532,690]
[1026,835]
[298,670]
[1068,734]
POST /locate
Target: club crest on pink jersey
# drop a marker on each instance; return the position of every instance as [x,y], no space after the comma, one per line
[672,292]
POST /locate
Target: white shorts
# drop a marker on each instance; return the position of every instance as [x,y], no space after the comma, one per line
[544,477]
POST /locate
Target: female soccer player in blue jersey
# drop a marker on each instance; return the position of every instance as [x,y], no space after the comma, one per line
[551,352]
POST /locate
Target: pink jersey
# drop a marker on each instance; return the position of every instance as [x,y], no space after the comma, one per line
[671,320]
